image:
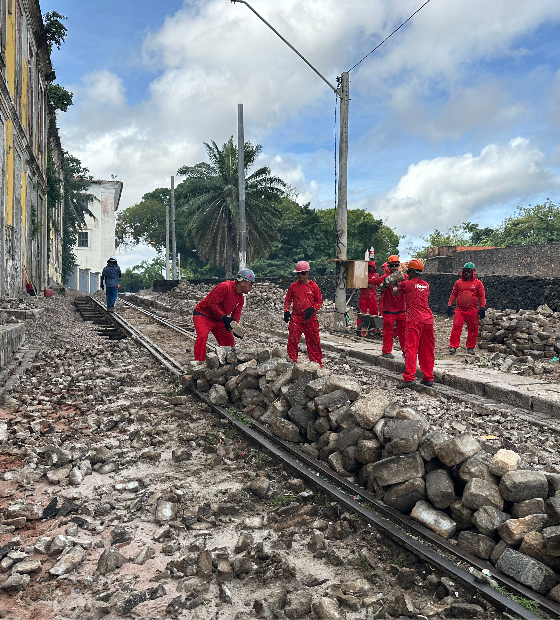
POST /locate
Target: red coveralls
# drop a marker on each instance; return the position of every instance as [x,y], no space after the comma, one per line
[469,294]
[304,296]
[222,299]
[393,308]
[367,302]
[420,338]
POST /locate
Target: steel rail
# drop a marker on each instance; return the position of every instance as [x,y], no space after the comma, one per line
[383,518]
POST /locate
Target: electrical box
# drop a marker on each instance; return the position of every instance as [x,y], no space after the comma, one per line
[356,274]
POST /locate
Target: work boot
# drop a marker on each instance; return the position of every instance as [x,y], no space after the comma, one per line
[405,384]
[452,350]
[470,351]
[426,383]
[389,356]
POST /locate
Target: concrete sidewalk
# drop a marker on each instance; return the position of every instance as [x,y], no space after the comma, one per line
[524,392]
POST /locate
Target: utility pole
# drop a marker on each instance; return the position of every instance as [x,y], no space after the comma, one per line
[341,223]
[241,179]
[341,232]
[167,241]
[173,240]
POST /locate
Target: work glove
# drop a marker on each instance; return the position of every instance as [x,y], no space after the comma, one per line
[449,310]
[287,317]
[308,313]
[481,313]
[227,320]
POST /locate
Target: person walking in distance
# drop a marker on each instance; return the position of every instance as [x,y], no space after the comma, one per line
[392,306]
[471,306]
[367,301]
[420,338]
[219,310]
[110,277]
[305,299]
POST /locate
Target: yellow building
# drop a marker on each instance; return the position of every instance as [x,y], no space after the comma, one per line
[31,234]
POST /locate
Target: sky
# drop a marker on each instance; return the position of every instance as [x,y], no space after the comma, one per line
[455,118]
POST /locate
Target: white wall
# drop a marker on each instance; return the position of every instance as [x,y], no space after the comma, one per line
[101,229]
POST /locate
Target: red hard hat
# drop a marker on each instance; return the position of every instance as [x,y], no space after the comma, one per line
[393,259]
[302,265]
[417,264]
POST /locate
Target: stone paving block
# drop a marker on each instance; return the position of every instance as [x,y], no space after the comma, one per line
[551,536]
[527,570]
[429,442]
[504,461]
[350,436]
[552,510]
[476,467]
[461,515]
[522,484]
[478,493]
[457,449]
[397,469]
[434,519]
[528,507]
[476,544]
[368,450]
[512,531]
[404,496]
[330,401]
[440,488]
[488,518]
[533,545]
[404,435]
[285,429]
[367,411]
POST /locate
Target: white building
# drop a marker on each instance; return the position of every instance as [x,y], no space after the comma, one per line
[96,242]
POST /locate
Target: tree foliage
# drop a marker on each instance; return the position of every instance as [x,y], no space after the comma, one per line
[55,31]
[58,98]
[142,275]
[209,199]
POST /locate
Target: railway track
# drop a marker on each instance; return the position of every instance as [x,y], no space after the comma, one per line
[468,571]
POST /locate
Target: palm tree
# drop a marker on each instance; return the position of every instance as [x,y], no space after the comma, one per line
[209,196]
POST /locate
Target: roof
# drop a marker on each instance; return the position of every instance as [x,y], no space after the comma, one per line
[112,182]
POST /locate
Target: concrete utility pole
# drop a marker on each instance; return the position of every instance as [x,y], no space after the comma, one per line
[167,241]
[341,223]
[241,178]
[173,240]
[341,233]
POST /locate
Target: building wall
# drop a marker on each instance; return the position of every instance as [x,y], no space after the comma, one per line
[101,228]
[24,70]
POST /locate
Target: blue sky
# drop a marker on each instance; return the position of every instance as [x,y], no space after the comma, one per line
[456,117]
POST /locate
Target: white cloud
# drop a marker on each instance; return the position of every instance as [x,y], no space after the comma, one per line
[103,88]
[440,192]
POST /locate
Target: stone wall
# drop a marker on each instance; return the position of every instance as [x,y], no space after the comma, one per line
[12,337]
[526,260]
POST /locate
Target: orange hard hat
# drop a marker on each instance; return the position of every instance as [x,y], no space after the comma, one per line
[302,265]
[417,264]
[393,259]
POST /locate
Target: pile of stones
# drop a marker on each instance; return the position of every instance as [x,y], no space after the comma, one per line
[488,502]
[525,334]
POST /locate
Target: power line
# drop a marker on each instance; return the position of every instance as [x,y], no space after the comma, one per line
[392,33]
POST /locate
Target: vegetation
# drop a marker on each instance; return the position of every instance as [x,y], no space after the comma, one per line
[209,199]
[142,275]
[54,30]
[532,225]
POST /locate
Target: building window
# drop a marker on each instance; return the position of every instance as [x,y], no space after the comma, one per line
[83,239]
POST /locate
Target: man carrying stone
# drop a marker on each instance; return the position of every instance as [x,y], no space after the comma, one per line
[393,308]
[420,338]
[471,305]
[218,310]
[304,297]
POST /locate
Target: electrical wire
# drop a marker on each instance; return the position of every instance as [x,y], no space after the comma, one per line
[386,38]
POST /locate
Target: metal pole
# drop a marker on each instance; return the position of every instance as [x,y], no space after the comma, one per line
[173,240]
[241,179]
[341,228]
[179,266]
[167,241]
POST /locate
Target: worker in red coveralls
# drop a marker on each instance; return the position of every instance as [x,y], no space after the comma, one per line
[393,308]
[367,301]
[471,305]
[305,299]
[216,312]
[420,338]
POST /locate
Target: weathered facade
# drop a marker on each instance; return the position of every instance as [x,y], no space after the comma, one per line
[25,71]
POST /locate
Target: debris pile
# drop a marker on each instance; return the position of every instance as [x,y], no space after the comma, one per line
[526,334]
[491,504]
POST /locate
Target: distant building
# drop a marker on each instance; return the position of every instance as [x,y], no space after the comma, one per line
[96,241]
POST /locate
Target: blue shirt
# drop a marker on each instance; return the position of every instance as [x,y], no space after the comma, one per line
[112,274]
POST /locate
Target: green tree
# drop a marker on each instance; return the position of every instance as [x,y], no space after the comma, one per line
[530,225]
[54,31]
[58,98]
[143,275]
[209,199]
[75,183]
